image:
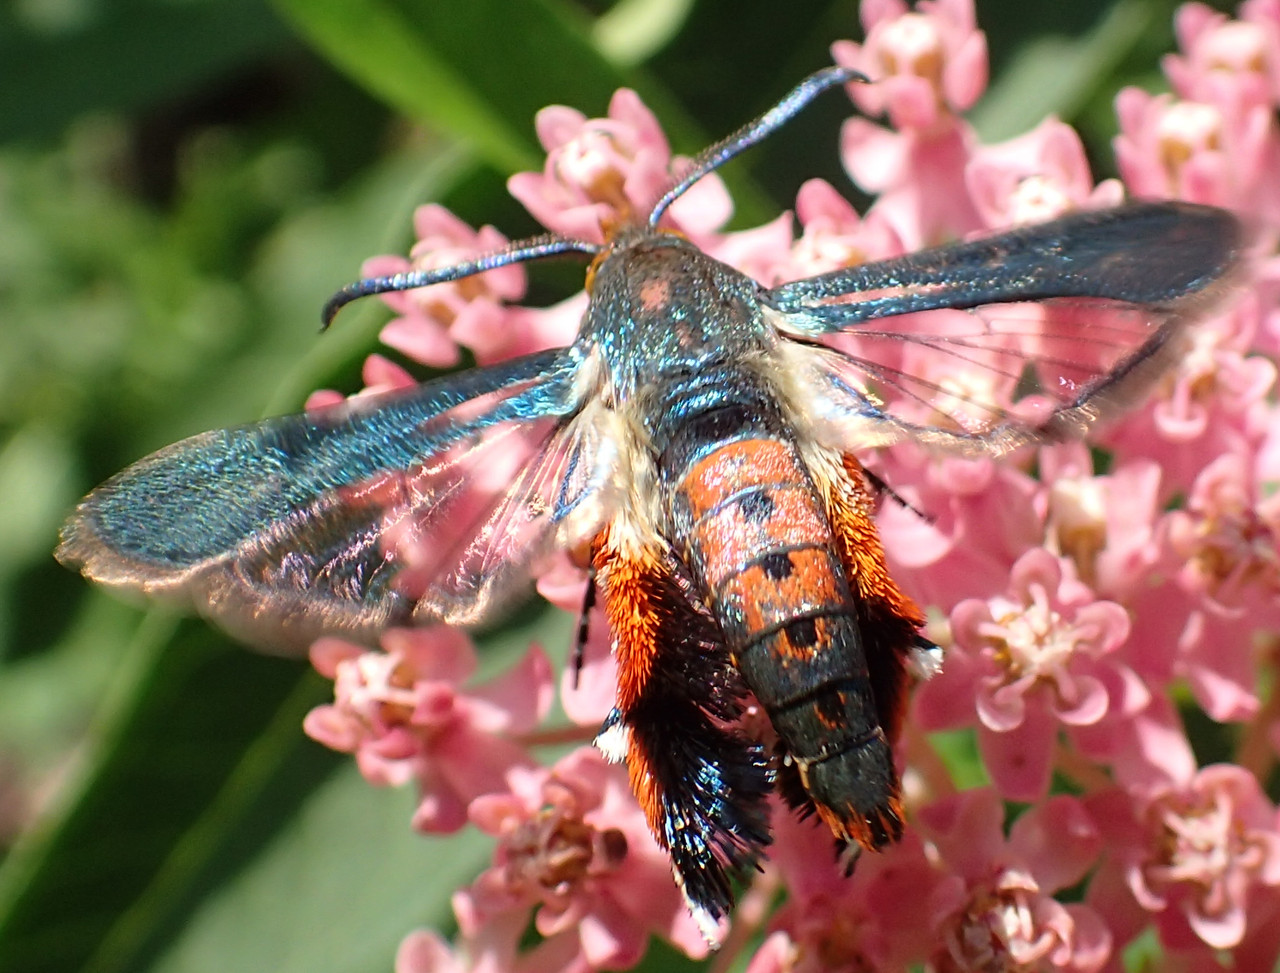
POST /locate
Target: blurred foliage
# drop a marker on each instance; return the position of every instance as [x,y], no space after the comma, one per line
[181,186]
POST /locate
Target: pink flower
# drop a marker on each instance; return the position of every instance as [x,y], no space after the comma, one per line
[1222,554]
[401,713]
[869,920]
[1146,746]
[1191,856]
[423,951]
[1036,177]
[834,235]
[998,911]
[1228,543]
[1191,150]
[1023,664]
[1227,60]
[1213,401]
[432,320]
[1109,526]
[1105,525]
[917,177]
[603,171]
[489,947]
[969,521]
[923,63]
[925,66]
[521,330]
[573,844]
[472,312]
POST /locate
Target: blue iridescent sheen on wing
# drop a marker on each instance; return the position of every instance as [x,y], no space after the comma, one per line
[1055,327]
[264,525]
[1149,254]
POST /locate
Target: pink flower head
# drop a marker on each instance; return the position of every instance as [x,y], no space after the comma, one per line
[1036,177]
[492,946]
[1105,525]
[1229,543]
[969,520]
[868,920]
[401,712]
[432,320]
[834,235]
[604,171]
[1025,663]
[1223,548]
[1193,150]
[925,66]
[1227,60]
[1212,401]
[573,844]
[998,911]
[474,311]
[917,176]
[422,951]
[923,63]
[1191,855]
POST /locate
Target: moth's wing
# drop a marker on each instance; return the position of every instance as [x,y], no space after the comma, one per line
[1027,336]
[542,493]
[406,507]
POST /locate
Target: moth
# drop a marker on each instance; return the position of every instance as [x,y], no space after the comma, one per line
[695,445]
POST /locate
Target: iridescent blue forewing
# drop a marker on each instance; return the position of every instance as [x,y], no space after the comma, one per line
[942,346]
[389,509]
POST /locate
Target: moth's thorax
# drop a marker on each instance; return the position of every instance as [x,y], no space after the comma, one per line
[659,306]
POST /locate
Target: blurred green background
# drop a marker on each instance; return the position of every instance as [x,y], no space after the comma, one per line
[182,184]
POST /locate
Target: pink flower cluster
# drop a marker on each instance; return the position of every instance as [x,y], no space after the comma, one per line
[1087,604]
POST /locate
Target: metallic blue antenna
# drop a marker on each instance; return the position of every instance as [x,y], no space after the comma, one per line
[714,156]
[534,248]
[550,245]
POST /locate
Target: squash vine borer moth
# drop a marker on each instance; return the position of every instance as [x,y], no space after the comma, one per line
[695,444]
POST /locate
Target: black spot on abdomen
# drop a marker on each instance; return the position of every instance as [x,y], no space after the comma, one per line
[756,506]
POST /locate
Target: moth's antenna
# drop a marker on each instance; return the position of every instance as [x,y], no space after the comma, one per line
[534,248]
[721,152]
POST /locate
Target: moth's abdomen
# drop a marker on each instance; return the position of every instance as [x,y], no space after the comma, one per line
[759,537]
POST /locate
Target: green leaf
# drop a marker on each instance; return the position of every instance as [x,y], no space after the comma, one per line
[60,891]
[1054,75]
[480,71]
[336,892]
[452,66]
[56,64]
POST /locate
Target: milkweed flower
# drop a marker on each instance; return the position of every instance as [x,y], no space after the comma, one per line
[1192,855]
[573,847]
[998,908]
[1025,666]
[405,716]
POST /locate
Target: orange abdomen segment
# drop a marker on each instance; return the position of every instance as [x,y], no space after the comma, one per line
[760,540]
